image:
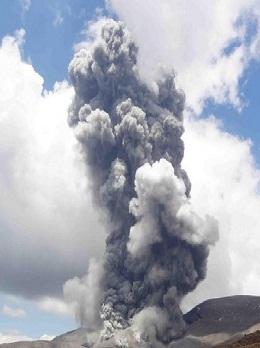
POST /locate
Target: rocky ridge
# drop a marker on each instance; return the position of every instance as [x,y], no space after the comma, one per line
[214,323]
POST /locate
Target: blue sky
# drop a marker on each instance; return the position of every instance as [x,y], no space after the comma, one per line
[35,323]
[245,123]
[53,28]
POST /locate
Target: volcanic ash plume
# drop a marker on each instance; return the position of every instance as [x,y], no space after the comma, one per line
[130,137]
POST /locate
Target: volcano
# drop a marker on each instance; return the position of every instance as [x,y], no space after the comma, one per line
[214,323]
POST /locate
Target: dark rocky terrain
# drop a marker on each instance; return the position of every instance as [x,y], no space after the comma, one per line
[213,323]
[248,341]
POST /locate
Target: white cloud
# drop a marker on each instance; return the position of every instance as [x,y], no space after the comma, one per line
[54,305]
[26,4]
[193,37]
[13,332]
[46,337]
[14,299]
[13,312]
[58,20]
[49,228]
[225,184]
[16,336]
[13,338]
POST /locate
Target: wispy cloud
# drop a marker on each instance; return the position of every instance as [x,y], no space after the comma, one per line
[58,20]
[46,337]
[54,305]
[15,335]
[13,312]
[13,338]
[25,4]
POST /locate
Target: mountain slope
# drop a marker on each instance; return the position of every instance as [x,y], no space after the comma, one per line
[248,341]
[213,323]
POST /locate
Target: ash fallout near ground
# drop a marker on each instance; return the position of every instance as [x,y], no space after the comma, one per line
[130,137]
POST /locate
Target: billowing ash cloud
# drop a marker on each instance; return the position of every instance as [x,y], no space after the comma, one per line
[130,137]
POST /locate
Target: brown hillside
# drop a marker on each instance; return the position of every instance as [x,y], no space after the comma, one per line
[248,341]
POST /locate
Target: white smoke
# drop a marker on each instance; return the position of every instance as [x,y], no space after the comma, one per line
[84,293]
[160,193]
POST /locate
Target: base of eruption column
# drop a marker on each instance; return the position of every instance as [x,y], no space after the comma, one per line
[214,323]
[125,338]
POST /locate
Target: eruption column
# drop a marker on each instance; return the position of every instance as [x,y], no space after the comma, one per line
[130,137]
